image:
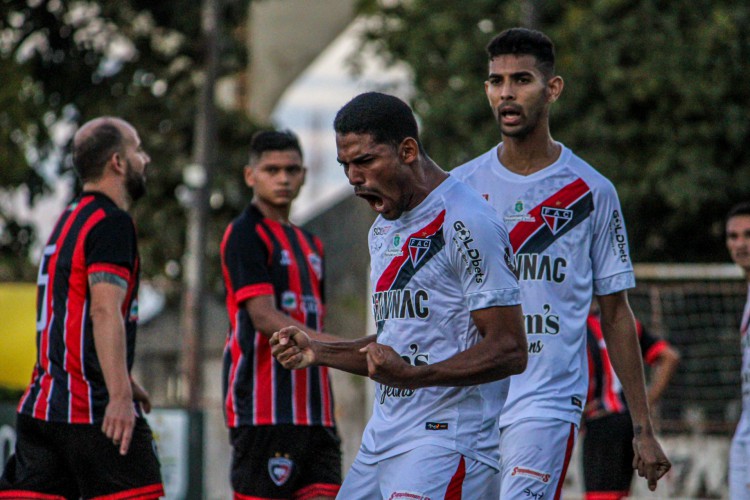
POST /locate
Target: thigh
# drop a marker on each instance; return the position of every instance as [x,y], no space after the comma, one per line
[101,470]
[608,454]
[433,472]
[534,458]
[37,465]
[361,481]
[739,470]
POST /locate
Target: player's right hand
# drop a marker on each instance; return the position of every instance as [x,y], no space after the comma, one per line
[119,421]
[292,348]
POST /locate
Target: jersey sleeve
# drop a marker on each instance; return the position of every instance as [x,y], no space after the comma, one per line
[246,259]
[110,246]
[480,254]
[610,255]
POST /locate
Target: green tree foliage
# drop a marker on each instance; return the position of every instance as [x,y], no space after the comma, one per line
[64,62]
[656,98]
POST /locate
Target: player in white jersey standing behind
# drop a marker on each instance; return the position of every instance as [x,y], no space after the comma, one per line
[568,236]
[446,307]
[738,244]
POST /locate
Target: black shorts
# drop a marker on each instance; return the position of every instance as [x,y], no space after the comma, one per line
[608,454]
[285,461]
[57,461]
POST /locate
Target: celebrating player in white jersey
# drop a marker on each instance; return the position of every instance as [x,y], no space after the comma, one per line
[738,244]
[569,240]
[446,306]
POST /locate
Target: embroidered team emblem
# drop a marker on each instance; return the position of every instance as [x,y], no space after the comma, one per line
[286,259]
[556,218]
[418,247]
[316,263]
[280,470]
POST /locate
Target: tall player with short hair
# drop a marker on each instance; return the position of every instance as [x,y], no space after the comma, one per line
[568,234]
[445,302]
[281,423]
[738,244]
[81,431]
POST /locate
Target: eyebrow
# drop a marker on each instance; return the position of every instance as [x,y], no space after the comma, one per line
[514,75]
[356,159]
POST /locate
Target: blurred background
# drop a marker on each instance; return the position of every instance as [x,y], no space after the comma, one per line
[656,98]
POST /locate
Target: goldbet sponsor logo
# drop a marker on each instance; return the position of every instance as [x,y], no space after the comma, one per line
[617,238]
[470,255]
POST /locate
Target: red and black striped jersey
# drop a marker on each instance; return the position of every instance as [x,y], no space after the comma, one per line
[605,395]
[263,257]
[92,235]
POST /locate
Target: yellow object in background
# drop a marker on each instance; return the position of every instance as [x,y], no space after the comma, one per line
[17,334]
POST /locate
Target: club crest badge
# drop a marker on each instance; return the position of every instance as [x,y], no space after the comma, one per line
[418,248]
[280,469]
[556,218]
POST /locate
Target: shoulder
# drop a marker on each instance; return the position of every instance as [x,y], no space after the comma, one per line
[465,205]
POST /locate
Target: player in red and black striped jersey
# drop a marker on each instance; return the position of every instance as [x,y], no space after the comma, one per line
[81,431]
[608,428]
[281,422]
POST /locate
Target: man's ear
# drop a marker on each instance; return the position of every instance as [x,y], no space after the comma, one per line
[408,150]
[249,177]
[554,88]
[117,162]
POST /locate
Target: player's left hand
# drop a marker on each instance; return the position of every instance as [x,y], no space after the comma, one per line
[650,460]
[384,365]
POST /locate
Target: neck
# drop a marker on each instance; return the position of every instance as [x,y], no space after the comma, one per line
[529,154]
[429,176]
[273,212]
[113,191]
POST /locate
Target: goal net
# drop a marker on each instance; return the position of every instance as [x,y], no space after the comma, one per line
[697,308]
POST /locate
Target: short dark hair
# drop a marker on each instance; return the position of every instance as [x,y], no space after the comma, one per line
[742,208]
[273,140]
[92,153]
[523,41]
[388,119]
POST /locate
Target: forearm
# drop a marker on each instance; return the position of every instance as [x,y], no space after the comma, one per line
[621,338]
[267,320]
[485,362]
[343,355]
[109,340]
[662,372]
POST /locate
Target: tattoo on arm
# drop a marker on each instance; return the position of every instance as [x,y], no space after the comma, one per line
[637,430]
[103,277]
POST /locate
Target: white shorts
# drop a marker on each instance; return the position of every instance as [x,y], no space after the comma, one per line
[739,469]
[534,458]
[424,473]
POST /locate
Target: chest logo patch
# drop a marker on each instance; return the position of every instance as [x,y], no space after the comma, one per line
[556,218]
[418,248]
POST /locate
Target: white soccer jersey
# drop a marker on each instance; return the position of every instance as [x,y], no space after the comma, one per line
[568,236]
[429,269]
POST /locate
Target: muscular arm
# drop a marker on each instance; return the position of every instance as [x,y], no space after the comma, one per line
[107,296]
[295,350]
[267,319]
[501,352]
[619,331]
